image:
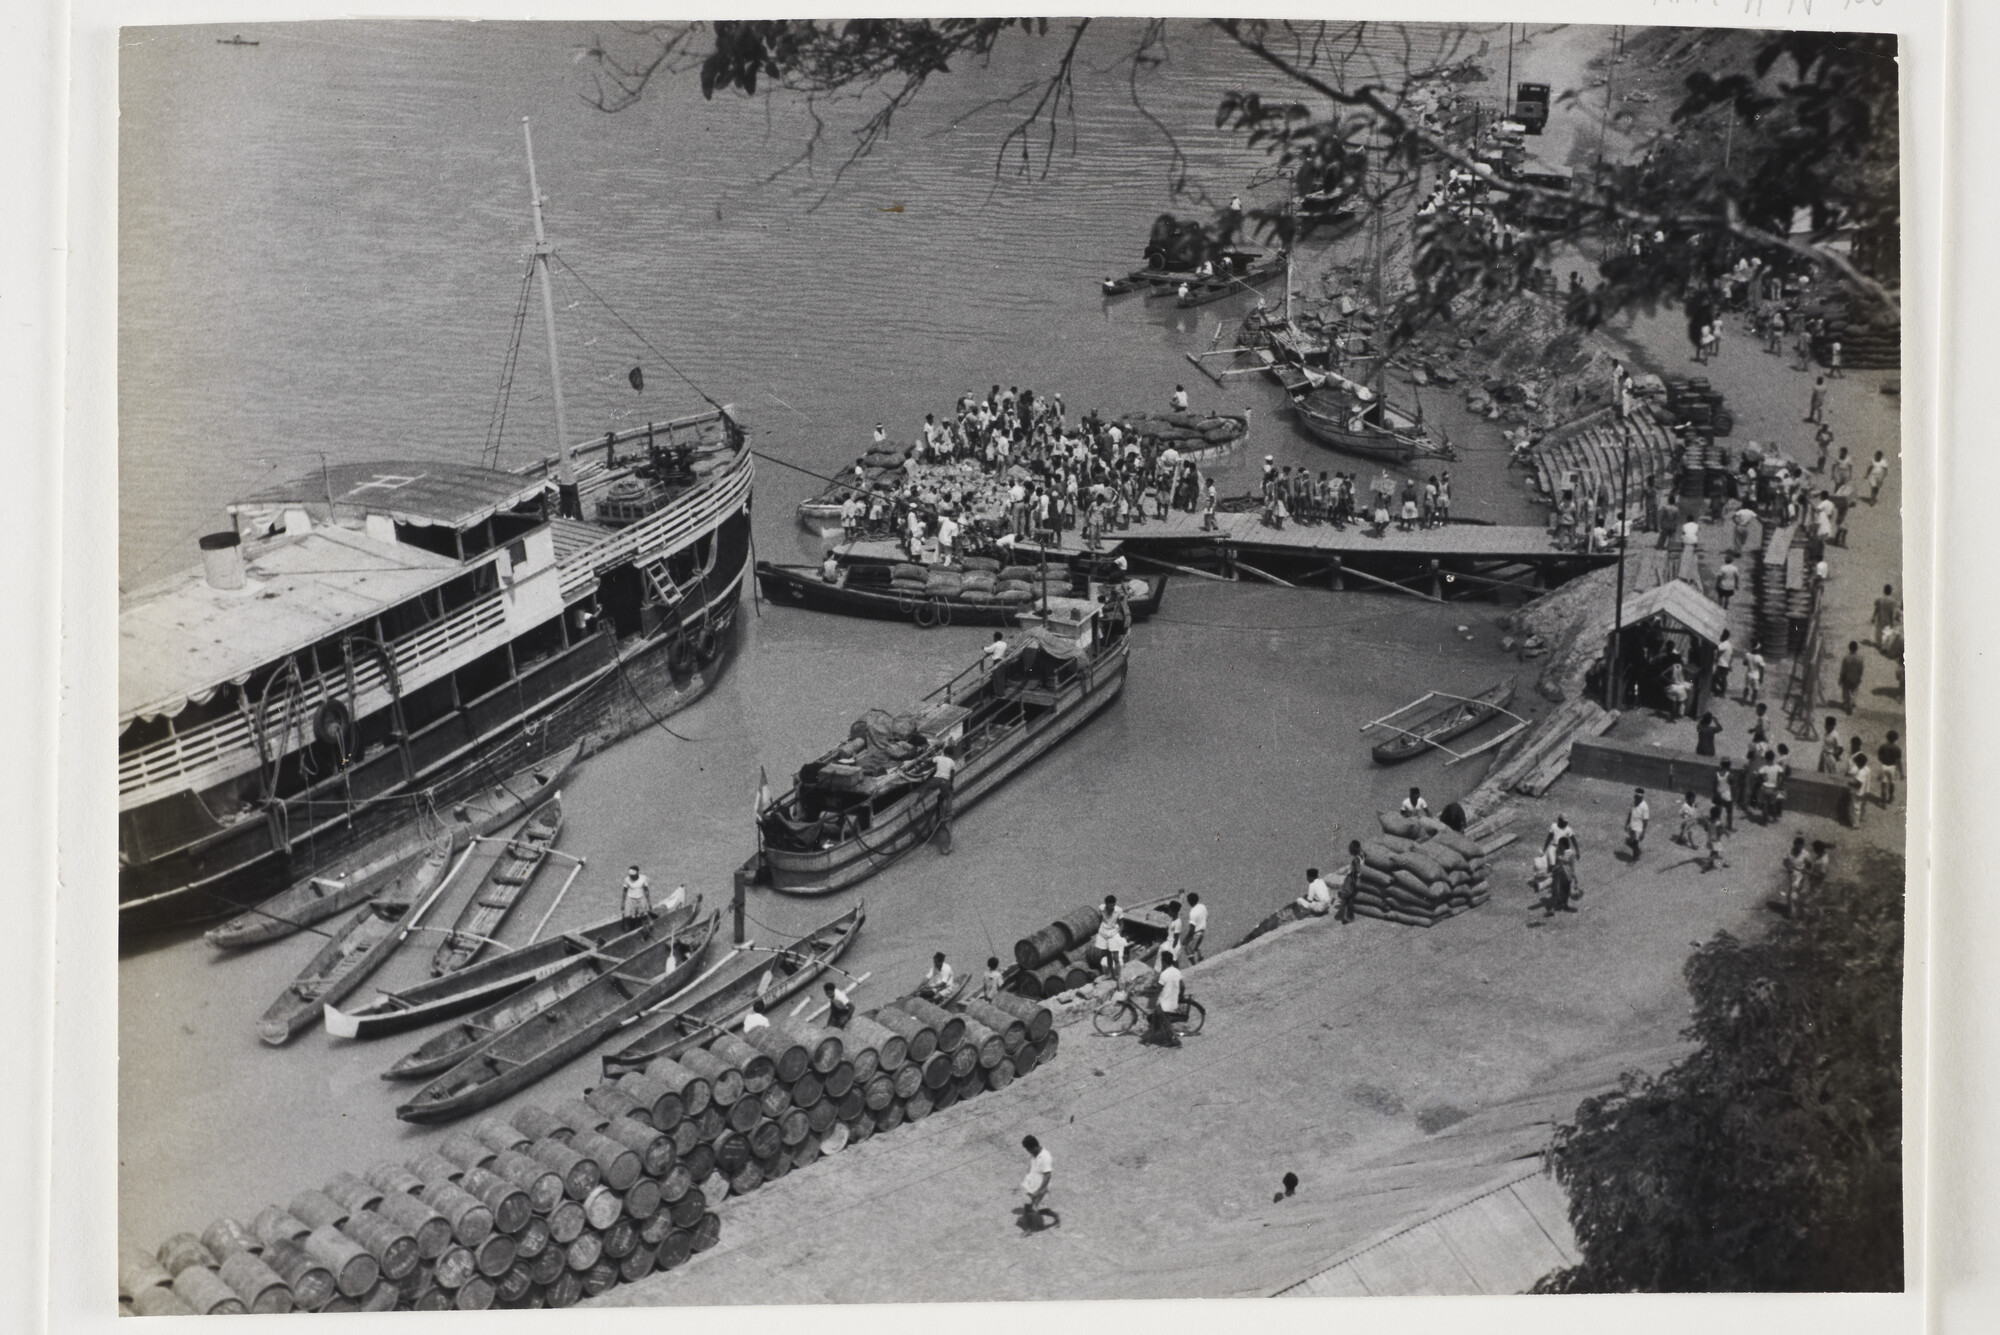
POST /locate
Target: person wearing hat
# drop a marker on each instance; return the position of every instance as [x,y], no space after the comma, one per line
[638,900]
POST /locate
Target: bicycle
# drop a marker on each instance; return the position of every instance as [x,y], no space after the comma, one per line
[1121,1015]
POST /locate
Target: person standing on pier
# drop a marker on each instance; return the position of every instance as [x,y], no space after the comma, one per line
[1208,507]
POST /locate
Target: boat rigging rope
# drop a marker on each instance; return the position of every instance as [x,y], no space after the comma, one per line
[496,423]
[636,334]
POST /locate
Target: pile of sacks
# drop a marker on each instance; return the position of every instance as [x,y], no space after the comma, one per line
[973,579]
[1419,874]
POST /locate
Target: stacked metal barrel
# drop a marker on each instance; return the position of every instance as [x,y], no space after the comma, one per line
[552,1205]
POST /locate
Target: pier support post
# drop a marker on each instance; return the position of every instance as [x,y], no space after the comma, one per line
[1437,584]
[1337,579]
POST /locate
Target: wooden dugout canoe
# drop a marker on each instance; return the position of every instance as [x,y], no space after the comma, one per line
[754,978]
[481,984]
[518,1057]
[455,1042]
[1452,718]
[334,890]
[505,883]
[358,949]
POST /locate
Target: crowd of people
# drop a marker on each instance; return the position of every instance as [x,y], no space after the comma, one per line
[1338,499]
[1013,465]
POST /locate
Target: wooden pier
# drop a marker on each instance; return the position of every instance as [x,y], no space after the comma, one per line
[1441,563]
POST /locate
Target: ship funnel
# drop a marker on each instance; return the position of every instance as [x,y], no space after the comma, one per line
[222,560]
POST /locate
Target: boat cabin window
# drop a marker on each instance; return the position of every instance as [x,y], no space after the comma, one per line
[511,526]
[410,616]
[429,537]
[544,641]
[479,538]
[141,732]
[470,587]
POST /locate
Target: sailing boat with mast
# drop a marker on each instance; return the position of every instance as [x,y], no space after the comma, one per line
[1356,417]
[374,643]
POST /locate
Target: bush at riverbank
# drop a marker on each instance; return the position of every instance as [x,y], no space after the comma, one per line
[1770,1159]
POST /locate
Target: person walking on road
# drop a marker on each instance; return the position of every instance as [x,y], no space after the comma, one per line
[1725,655]
[1889,760]
[1035,1215]
[1690,820]
[1797,867]
[1816,410]
[1725,792]
[1727,579]
[1851,671]
[1888,612]
[1877,474]
[1831,749]
[1636,821]
[1753,673]
[1860,783]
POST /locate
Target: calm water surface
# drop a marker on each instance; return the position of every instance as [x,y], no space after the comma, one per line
[324,241]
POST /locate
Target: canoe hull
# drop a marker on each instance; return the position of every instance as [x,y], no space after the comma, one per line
[801,586]
[491,1081]
[366,872]
[506,884]
[721,1007]
[913,820]
[1455,721]
[356,951]
[477,985]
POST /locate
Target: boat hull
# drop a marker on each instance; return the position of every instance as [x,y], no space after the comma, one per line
[601,691]
[1453,722]
[474,986]
[802,586]
[914,820]
[485,1080]
[721,1007]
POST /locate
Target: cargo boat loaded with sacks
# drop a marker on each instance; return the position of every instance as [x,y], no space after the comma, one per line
[877,795]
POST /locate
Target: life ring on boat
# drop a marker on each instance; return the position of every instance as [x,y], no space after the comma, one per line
[705,645]
[334,726]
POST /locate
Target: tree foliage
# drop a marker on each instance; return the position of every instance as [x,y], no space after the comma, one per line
[1815,121]
[1771,1158]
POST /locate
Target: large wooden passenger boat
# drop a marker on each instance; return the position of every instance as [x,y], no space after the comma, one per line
[376,641]
[876,796]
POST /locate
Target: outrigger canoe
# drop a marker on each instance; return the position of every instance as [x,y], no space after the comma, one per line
[506,882]
[1452,718]
[756,976]
[517,1057]
[457,1041]
[478,984]
[875,797]
[358,949]
[361,876]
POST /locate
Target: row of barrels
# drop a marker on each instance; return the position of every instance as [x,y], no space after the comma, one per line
[551,1205]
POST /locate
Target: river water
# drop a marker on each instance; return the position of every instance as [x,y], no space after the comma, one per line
[323,243]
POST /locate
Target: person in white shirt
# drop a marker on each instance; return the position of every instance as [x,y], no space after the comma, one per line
[1414,807]
[1318,898]
[996,652]
[1180,399]
[1636,821]
[1041,1172]
[937,982]
[881,436]
[1197,927]
[755,1019]
[990,982]
[1166,1006]
[638,897]
[839,1009]
[947,535]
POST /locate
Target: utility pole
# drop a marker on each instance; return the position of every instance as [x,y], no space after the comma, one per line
[1613,668]
[1507,102]
[569,499]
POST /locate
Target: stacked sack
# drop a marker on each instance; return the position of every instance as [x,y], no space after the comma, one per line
[1419,881]
[1017,584]
[549,1206]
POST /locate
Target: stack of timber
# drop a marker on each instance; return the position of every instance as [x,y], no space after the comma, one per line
[594,1194]
[1419,882]
[1537,758]
[1589,454]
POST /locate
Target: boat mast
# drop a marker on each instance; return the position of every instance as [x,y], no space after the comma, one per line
[569,499]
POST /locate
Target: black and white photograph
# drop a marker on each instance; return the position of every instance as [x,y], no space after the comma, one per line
[795,661]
